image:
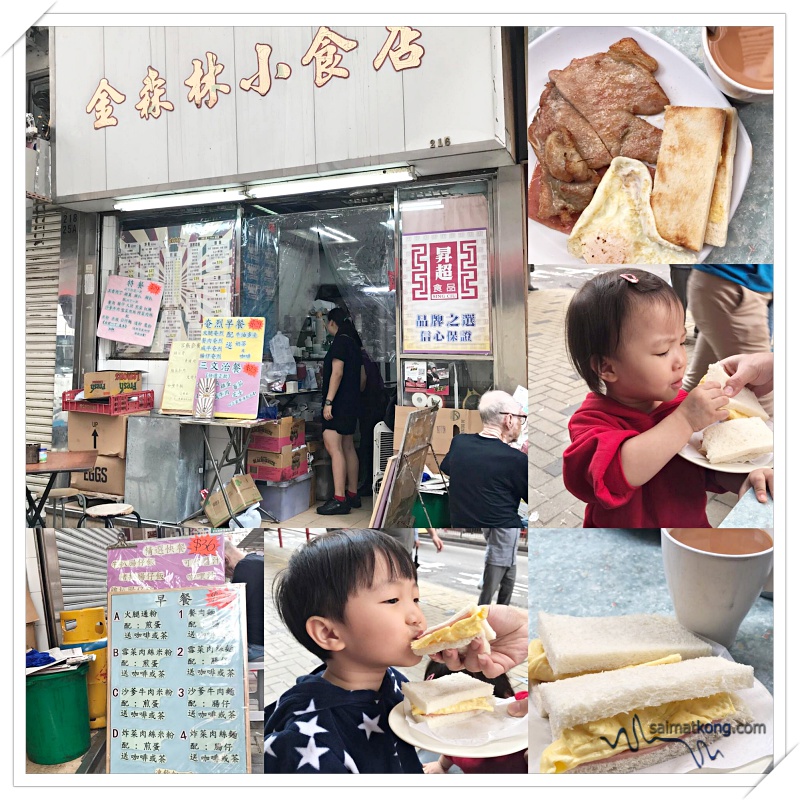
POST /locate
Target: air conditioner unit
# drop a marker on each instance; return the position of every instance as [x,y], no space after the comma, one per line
[382,449]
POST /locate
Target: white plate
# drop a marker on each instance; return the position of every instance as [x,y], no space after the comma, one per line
[497,747]
[750,756]
[684,83]
[691,452]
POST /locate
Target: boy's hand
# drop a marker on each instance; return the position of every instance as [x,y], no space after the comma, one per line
[761,480]
[507,650]
[432,768]
[704,405]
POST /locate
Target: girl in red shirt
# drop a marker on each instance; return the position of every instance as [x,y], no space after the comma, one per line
[626,338]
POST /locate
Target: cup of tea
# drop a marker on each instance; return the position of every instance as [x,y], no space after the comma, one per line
[714,576]
[739,61]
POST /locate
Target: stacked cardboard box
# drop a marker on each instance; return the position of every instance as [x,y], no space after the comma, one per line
[241,492]
[277,451]
[449,423]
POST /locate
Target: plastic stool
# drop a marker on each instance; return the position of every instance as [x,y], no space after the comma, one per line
[258,695]
[61,496]
[107,512]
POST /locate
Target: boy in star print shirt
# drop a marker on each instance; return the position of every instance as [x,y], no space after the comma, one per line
[352,599]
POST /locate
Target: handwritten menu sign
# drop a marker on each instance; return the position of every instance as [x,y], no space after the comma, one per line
[231,349]
[177,692]
[174,563]
[130,310]
[178,395]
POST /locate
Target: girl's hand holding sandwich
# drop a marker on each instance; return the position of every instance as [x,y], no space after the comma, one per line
[704,405]
[507,650]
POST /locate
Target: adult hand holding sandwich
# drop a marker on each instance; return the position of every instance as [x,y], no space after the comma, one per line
[754,370]
[509,648]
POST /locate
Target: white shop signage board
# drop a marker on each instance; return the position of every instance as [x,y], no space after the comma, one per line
[178,699]
[134,114]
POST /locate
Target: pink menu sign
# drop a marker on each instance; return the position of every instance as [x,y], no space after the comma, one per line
[197,560]
[130,310]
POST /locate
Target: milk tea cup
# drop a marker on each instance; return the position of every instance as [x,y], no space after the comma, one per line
[714,576]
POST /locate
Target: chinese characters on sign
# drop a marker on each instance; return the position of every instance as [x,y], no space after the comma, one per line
[326,51]
[446,292]
[197,560]
[231,349]
[177,699]
[130,310]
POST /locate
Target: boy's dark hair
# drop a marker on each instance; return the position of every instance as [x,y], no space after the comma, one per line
[325,572]
[502,685]
[598,311]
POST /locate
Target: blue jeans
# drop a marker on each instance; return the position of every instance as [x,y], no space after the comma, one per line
[255,652]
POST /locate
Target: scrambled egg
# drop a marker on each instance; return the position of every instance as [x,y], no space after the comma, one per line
[618,226]
[583,743]
[731,413]
[539,668]
[463,629]
[477,704]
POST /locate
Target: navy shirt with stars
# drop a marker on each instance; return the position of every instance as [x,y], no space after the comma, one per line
[317,727]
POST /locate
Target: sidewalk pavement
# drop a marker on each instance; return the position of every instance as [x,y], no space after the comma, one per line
[286,660]
[555,391]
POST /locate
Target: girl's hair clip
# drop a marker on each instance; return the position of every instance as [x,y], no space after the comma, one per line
[630,278]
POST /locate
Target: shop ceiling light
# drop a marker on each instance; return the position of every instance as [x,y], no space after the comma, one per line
[420,205]
[233,195]
[327,183]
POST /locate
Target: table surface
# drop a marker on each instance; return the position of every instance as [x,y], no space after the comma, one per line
[74,461]
[750,233]
[221,422]
[604,572]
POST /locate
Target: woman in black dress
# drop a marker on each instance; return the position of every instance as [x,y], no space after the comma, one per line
[343,379]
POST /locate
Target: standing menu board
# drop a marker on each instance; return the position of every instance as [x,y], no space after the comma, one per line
[197,560]
[178,698]
[178,395]
[230,352]
[195,263]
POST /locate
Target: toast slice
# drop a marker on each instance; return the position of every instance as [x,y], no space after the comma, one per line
[686,172]
[719,211]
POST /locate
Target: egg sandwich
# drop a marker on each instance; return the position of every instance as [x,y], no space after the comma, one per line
[448,700]
[624,720]
[457,632]
[745,404]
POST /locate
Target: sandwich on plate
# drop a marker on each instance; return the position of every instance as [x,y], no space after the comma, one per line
[744,405]
[629,719]
[457,632]
[569,646]
[448,700]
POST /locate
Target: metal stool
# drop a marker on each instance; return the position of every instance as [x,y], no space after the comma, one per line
[107,512]
[257,715]
[61,496]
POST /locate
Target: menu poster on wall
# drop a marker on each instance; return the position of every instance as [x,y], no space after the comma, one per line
[130,310]
[195,262]
[178,395]
[446,292]
[178,700]
[175,563]
[230,351]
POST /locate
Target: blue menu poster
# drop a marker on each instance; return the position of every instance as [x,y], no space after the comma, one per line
[178,700]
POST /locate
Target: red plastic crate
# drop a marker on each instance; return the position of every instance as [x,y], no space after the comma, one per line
[114,405]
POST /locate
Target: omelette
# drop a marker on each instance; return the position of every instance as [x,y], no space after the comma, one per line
[618,226]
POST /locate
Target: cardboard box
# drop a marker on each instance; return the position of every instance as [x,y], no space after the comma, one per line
[31,618]
[110,382]
[275,435]
[283,466]
[241,492]
[107,476]
[449,423]
[102,432]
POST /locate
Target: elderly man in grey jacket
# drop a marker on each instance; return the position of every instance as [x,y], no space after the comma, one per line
[500,569]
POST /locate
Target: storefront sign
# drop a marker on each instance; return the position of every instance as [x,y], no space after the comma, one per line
[130,310]
[194,262]
[230,351]
[446,292]
[177,681]
[197,560]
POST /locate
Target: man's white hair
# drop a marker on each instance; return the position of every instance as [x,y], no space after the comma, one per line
[493,405]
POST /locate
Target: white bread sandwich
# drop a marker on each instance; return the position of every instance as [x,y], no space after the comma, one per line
[448,700]
[457,632]
[736,441]
[624,720]
[745,404]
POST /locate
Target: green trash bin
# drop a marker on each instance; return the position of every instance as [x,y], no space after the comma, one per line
[438,509]
[57,716]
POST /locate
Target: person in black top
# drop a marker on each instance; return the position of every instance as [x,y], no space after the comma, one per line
[488,477]
[249,570]
[343,379]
